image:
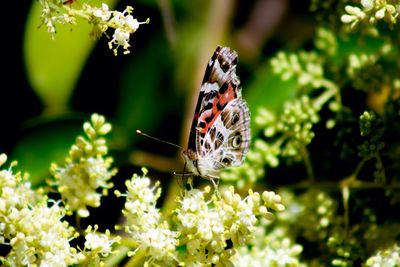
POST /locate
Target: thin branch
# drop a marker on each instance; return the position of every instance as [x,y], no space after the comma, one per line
[307,163]
[168,21]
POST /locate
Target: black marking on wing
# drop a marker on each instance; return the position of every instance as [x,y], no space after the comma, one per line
[223,88]
[202,124]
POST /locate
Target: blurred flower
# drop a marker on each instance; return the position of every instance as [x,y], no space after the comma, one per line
[371,12]
[103,13]
[85,169]
[389,257]
[272,250]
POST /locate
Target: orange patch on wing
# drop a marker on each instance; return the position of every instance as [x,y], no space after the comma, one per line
[219,103]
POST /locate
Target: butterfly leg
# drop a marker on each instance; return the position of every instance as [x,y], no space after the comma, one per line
[186,180]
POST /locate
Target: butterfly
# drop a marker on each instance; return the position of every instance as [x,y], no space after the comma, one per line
[220,133]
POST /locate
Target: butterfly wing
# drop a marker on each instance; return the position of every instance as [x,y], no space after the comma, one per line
[227,141]
[219,135]
[220,85]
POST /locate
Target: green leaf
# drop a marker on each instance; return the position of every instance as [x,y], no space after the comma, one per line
[268,90]
[144,95]
[53,66]
[43,142]
[355,45]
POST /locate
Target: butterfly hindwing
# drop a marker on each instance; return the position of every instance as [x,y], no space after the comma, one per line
[227,141]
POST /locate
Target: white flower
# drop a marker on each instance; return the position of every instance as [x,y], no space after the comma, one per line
[367,4]
[193,202]
[160,243]
[103,13]
[132,23]
[98,242]
[42,239]
[97,246]
[140,205]
[78,182]
[380,13]
[278,251]
[120,38]
[144,222]
[124,25]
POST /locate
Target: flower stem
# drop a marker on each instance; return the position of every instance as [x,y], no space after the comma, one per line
[307,163]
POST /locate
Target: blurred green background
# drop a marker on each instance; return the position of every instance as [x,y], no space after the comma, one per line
[52,86]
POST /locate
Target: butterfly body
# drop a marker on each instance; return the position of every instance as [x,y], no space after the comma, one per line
[220,132]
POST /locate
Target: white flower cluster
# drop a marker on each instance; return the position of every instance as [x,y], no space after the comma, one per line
[97,247]
[372,11]
[208,232]
[144,223]
[272,249]
[123,23]
[212,230]
[389,257]
[57,12]
[78,183]
[32,226]
[51,15]
[41,238]
[86,169]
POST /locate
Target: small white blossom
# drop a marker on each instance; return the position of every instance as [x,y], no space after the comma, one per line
[133,24]
[103,13]
[95,241]
[367,4]
[159,242]
[97,246]
[124,25]
[120,38]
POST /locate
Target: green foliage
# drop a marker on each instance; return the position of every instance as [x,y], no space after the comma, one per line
[64,56]
[371,128]
[325,130]
[349,95]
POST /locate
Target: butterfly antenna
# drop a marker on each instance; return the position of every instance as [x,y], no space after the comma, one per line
[157,139]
